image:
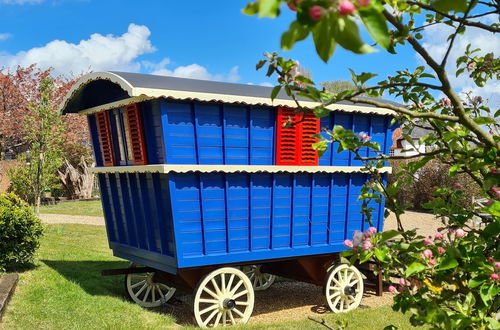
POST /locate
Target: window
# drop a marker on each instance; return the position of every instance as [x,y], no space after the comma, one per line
[121,136]
[391,152]
[294,137]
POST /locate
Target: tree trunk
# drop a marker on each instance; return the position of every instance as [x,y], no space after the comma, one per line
[77,181]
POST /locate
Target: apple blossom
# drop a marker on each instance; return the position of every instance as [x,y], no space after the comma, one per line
[460,233]
[316,12]
[367,245]
[392,289]
[428,241]
[441,250]
[497,265]
[427,254]
[348,243]
[438,236]
[346,8]
[364,3]
[432,262]
[494,277]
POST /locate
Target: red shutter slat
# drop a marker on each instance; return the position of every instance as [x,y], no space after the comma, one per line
[106,143]
[294,144]
[309,126]
[286,137]
[136,132]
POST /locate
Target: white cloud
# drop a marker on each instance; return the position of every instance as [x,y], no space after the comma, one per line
[20,2]
[266,84]
[5,36]
[436,44]
[194,71]
[99,52]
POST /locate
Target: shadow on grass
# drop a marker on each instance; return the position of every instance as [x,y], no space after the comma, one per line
[21,268]
[87,274]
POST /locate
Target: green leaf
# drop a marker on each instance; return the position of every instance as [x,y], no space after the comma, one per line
[477,281]
[492,229]
[346,33]
[448,263]
[260,64]
[484,120]
[415,267]
[450,5]
[323,39]
[382,254]
[375,25]
[296,32]
[388,234]
[275,92]
[268,8]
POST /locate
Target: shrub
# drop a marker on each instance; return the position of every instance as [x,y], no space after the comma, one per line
[20,232]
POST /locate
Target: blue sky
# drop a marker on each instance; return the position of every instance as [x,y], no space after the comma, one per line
[198,39]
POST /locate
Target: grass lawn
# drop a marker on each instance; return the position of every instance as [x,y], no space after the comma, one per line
[93,208]
[66,291]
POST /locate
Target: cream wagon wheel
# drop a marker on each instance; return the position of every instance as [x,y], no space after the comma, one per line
[223,297]
[260,281]
[343,288]
[144,291]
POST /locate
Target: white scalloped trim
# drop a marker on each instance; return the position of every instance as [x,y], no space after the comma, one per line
[178,168]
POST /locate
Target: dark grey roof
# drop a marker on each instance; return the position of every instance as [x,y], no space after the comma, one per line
[98,88]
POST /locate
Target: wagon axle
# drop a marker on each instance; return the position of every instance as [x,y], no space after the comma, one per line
[229,304]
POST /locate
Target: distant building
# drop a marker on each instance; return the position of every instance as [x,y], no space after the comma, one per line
[401,147]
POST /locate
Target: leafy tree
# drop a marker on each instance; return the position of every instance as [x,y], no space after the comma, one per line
[44,135]
[338,86]
[448,281]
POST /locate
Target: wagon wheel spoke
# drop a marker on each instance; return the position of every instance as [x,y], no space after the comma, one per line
[237,286]
[153,298]
[216,287]
[239,294]
[210,292]
[260,281]
[137,284]
[146,294]
[208,309]
[209,318]
[231,316]
[217,319]
[224,318]
[142,289]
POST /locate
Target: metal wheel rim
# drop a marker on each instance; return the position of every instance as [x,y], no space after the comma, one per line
[260,281]
[145,292]
[216,291]
[341,280]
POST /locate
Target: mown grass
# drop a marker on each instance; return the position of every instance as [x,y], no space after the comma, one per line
[65,290]
[92,208]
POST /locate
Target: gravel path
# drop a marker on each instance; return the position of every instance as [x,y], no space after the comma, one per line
[283,301]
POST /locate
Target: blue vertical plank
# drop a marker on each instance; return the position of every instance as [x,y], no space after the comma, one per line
[237,194]
[107,207]
[326,158]
[164,213]
[355,221]
[138,207]
[301,209]
[116,198]
[146,202]
[262,135]
[339,207]
[282,210]
[96,146]
[341,158]
[261,196]
[320,211]
[153,133]
[212,188]
[361,123]
[236,135]
[128,208]
[179,133]
[209,135]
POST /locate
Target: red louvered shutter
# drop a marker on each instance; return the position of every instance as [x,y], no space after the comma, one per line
[286,137]
[294,144]
[106,143]
[309,126]
[136,135]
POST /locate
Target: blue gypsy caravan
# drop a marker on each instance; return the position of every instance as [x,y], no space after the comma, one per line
[204,187]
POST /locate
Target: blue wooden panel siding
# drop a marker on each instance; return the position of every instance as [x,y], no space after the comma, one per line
[378,127]
[96,147]
[137,211]
[221,218]
[153,133]
[212,133]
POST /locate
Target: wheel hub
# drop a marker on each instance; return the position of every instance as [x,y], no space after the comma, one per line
[229,304]
[349,290]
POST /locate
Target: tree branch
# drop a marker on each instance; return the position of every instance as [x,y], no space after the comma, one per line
[455,18]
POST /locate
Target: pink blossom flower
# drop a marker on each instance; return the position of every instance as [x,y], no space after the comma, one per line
[367,245]
[491,132]
[432,262]
[372,230]
[446,102]
[368,138]
[491,260]
[451,230]
[478,99]
[460,233]
[362,135]
[496,191]
[402,281]
[441,250]
[428,241]
[292,4]
[489,202]
[471,66]
[427,254]
[497,265]
[392,288]
[458,186]
[357,238]
[348,243]
[346,8]
[494,170]
[316,12]
[364,3]
[494,277]
[438,236]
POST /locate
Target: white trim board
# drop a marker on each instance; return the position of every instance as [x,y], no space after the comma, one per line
[181,168]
